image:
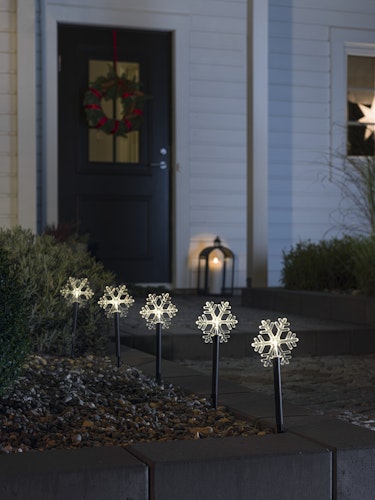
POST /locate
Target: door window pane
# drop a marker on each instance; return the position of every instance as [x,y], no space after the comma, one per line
[105,147]
[361,106]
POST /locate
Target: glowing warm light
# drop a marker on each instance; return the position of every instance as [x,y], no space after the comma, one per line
[215,275]
[369,118]
[216,320]
[116,300]
[158,309]
[77,290]
[272,345]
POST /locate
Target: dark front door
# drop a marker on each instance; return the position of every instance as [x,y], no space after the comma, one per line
[116,189]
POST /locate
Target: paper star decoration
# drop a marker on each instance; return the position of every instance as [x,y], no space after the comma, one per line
[272,345]
[77,290]
[116,300]
[217,320]
[158,309]
[368,118]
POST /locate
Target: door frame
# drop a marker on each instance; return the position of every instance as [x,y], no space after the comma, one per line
[179,26]
[26,209]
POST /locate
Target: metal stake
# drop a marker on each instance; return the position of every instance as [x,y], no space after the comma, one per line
[158,353]
[75,315]
[215,371]
[117,330]
[278,394]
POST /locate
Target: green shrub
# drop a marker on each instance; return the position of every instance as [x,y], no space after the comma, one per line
[14,340]
[327,265]
[44,265]
[364,264]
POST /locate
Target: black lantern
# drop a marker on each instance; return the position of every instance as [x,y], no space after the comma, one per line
[216,270]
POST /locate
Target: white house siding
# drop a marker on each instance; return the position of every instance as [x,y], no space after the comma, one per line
[301,84]
[8,114]
[40,208]
[210,171]
[217,124]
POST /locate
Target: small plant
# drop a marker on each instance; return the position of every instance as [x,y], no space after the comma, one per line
[354,176]
[14,341]
[346,264]
[69,234]
[43,265]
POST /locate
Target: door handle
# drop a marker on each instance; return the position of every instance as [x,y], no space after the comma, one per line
[162,165]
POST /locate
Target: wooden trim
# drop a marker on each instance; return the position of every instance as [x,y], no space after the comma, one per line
[257,263]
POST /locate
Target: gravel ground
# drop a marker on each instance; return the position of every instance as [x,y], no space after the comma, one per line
[338,386]
[72,403]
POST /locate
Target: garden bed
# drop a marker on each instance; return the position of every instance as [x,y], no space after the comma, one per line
[84,402]
[317,457]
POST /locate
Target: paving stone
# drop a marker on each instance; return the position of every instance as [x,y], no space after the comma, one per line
[285,467]
[84,474]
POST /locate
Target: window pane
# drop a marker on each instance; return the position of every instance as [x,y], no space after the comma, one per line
[360,105]
[361,72]
[104,147]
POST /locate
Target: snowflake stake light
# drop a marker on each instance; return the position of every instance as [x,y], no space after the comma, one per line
[116,300]
[217,320]
[275,348]
[77,290]
[275,340]
[158,310]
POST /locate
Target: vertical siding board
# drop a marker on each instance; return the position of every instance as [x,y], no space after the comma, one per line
[8,114]
[218,122]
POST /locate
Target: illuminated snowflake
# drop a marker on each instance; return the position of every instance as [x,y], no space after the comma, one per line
[275,345]
[158,309]
[116,300]
[217,320]
[77,290]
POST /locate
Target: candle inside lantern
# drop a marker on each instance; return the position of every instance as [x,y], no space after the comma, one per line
[216,275]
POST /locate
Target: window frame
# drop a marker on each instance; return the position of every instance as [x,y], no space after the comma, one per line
[358,141]
[344,42]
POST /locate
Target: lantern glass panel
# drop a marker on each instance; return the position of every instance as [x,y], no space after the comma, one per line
[216,270]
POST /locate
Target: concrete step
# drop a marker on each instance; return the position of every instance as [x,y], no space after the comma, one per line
[340,307]
[183,340]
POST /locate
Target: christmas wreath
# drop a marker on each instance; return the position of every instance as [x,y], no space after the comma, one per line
[114,87]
